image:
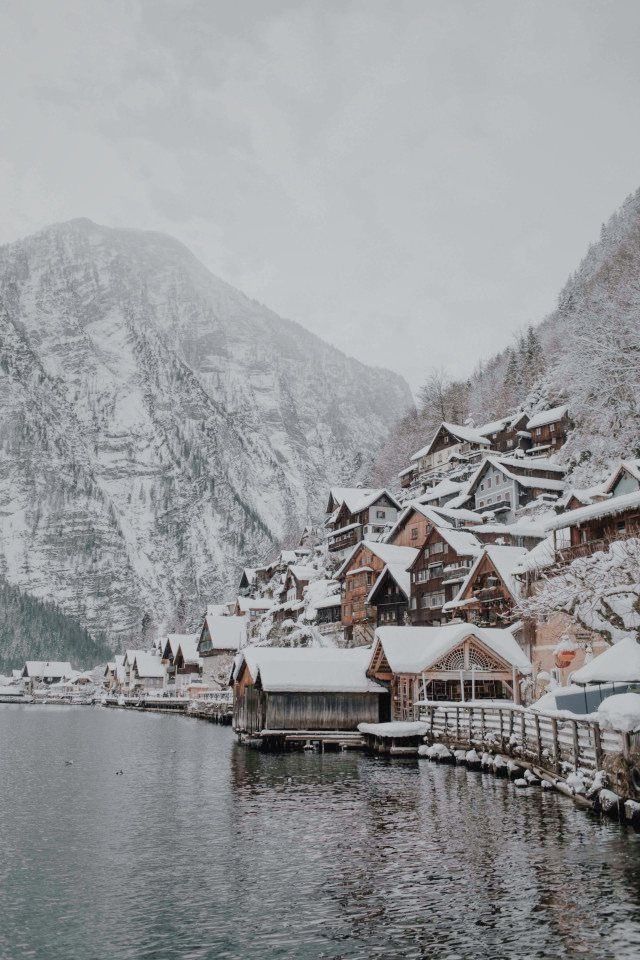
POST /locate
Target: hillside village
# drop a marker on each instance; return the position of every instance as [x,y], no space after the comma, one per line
[434,591]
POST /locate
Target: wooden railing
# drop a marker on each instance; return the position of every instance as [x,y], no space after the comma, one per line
[555,743]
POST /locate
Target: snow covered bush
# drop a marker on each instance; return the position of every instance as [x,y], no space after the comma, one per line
[601,592]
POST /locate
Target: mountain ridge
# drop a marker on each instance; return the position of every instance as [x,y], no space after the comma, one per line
[159,428]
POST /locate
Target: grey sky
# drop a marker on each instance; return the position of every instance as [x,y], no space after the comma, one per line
[411,180]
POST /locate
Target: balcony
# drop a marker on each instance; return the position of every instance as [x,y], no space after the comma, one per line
[502,506]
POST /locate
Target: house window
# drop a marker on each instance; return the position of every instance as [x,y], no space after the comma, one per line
[436,547]
[380,514]
[413,603]
[552,428]
[620,526]
[414,533]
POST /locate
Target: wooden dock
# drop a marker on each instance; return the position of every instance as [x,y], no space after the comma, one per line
[318,740]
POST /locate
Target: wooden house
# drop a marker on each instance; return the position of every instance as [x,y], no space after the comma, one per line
[581,532]
[278,690]
[247,581]
[548,430]
[251,607]
[417,519]
[625,478]
[296,581]
[147,673]
[109,676]
[390,595]
[358,574]
[457,662]
[489,594]
[508,433]
[442,563]
[42,673]
[451,445]
[329,614]
[355,514]
[220,639]
[187,661]
[503,486]
[408,476]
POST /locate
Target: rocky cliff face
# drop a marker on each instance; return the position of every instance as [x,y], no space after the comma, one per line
[158,429]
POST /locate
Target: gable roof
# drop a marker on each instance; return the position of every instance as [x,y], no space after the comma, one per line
[544,417]
[226,633]
[504,423]
[399,574]
[463,434]
[42,669]
[357,499]
[252,603]
[188,647]
[505,561]
[503,463]
[464,542]
[414,649]
[389,553]
[631,467]
[302,573]
[147,665]
[309,669]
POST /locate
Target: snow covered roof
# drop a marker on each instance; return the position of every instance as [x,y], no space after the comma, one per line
[594,511]
[504,463]
[496,426]
[462,541]
[464,434]
[334,600]
[410,469]
[245,604]
[414,649]
[336,533]
[359,498]
[632,467]
[545,417]
[302,573]
[310,669]
[400,575]
[44,669]
[148,665]
[227,633]
[445,488]
[505,561]
[188,646]
[531,463]
[387,552]
[540,557]
[619,664]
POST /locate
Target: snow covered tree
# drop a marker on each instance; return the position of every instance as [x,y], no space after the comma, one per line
[601,592]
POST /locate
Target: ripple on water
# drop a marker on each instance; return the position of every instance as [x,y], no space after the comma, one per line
[208,851]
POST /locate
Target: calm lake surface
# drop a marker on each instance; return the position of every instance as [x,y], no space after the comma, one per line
[204,849]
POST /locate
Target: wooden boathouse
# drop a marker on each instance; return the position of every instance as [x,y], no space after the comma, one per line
[286,696]
[452,662]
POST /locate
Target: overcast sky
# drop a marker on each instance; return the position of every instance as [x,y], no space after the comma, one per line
[411,180]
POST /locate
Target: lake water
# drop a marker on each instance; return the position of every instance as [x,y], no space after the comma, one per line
[205,849]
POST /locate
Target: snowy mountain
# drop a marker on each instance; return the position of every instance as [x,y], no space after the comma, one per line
[158,429]
[586,353]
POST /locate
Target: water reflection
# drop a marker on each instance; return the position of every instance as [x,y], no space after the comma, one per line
[203,849]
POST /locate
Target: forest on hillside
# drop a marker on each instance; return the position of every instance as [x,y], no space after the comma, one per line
[42,629]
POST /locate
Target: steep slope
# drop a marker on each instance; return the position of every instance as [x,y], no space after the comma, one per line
[587,353]
[37,630]
[158,429]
